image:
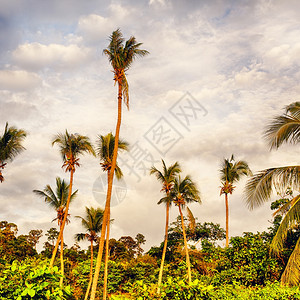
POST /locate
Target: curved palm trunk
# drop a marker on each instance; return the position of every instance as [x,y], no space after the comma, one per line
[185,246]
[64,220]
[62,261]
[91,272]
[108,196]
[227,217]
[164,249]
[106,259]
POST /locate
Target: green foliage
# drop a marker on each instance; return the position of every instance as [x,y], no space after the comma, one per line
[177,289]
[31,280]
[247,261]
[14,247]
[173,288]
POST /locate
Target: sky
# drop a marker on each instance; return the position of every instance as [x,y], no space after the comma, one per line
[216,75]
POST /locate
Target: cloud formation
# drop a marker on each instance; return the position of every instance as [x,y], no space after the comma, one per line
[36,56]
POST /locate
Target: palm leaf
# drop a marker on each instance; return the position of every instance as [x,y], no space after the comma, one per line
[11,143]
[191,219]
[291,274]
[71,146]
[285,128]
[105,150]
[80,237]
[121,57]
[260,186]
[290,220]
[231,171]
[166,176]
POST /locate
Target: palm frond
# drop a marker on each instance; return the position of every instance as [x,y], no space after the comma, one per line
[185,191]
[260,186]
[293,109]
[80,237]
[191,219]
[290,220]
[291,274]
[232,170]
[284,128]
[165,200]
[105,150]
[58,198]
[167,175]
[71,146]
[11,143]
[93,219]
[121,57]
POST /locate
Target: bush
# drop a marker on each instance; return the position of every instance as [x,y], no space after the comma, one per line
[31,279]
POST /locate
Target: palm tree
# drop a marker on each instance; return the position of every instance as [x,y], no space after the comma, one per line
[231,172]
[121,58]
[183,192]
[283,129]
[10,145]
[58,201]
[166,177]
[70,146]
[105,150]
[92,223]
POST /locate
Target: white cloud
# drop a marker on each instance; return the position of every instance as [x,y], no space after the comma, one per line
[18,80]
[38,56]
[94,27]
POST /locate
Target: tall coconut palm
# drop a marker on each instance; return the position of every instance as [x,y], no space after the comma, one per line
[183,192]
[70,146]
[58,200]
[105,150]
[92,222]
[231,172]
[283,129]
[10,145]
[121,57]
[166,177]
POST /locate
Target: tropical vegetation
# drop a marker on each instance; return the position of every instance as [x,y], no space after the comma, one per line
[284,128]
[191,262]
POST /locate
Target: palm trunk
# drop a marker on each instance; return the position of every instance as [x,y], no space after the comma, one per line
[185,246]
[106,259]
[62,261]
[164,249]
[64,220]
[108,196]
[227,217]
[91,272]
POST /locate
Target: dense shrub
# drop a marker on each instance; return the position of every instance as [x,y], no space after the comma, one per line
[31,279]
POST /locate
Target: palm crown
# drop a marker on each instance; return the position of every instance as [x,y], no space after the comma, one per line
[58,198]
[105,150]
[286,127]
[231,172]
[166,177]
[10,145]
[92,223]
[185,191]
[71,146]
[121,57]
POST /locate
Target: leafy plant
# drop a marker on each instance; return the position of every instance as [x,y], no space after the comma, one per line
[32,280]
